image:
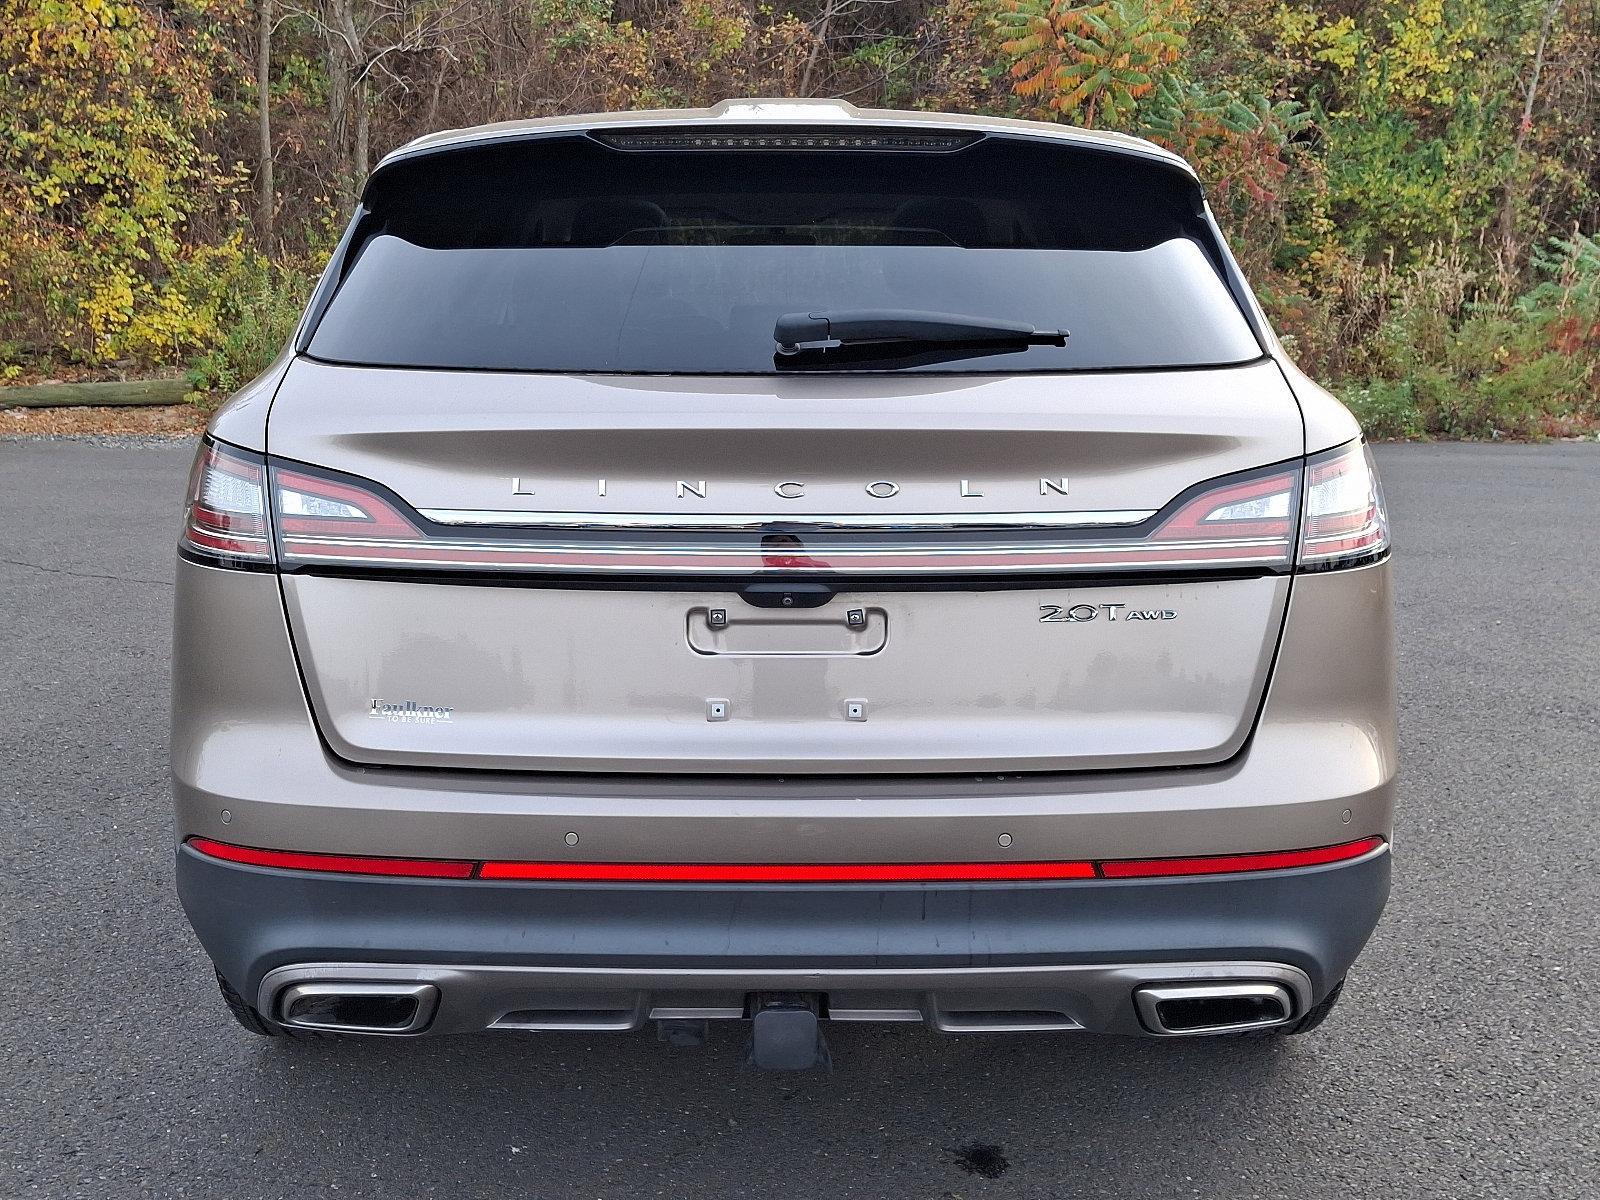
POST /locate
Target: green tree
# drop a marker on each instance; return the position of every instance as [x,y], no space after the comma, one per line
[104,107]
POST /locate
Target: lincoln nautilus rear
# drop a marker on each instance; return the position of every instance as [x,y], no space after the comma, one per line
[790,564]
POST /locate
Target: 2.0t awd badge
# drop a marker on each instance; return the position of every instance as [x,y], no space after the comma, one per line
[1077,614]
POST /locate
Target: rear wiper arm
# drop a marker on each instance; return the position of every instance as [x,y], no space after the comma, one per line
[902,327]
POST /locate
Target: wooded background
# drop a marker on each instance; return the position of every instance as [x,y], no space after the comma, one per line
[1413,188]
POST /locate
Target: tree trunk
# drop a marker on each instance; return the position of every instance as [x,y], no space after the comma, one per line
[1508,202]
[267,200]
[338,110]
[355,76]
[360,151]
[819,41]
[340,27]
[431,121]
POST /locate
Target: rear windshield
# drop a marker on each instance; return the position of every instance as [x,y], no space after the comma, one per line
[566,254]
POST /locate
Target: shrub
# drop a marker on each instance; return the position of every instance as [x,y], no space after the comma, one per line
[1387,409]
[105,106]
[258,306]
[1442,365]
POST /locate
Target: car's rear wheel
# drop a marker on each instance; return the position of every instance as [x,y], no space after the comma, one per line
[250,1018]
[1317,1015]
[242,1012]
[1314,1016]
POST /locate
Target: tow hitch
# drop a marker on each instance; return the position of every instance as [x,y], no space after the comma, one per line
[784,1032]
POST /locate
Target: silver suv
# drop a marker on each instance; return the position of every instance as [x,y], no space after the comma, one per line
[791,563]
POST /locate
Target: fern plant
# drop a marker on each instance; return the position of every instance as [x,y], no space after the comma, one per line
[1570,275]
[1091,63]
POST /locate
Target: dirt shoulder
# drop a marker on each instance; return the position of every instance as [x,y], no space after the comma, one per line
[166,420]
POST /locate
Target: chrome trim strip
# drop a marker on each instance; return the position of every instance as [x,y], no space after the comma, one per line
[835,1013]
[469,564]
[736,523]
[1003,1021]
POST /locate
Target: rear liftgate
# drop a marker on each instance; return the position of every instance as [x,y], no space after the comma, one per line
[1112,599]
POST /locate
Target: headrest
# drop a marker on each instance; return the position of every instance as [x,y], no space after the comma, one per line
[606,222]
[956,218]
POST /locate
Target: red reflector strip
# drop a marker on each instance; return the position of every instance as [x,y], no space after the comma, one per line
[1133,868]
[227,543]
[981,872]
[639,872]
[292,860]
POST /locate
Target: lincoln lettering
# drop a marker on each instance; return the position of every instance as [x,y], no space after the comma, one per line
[795,489]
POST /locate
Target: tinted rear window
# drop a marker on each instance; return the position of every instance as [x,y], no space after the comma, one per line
[563,254]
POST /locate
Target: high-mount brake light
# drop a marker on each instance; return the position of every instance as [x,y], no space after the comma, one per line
[779,138]
[1345,522]
[225,521]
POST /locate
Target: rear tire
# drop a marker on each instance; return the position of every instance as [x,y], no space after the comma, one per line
[1317,1015]
[242,1012]
[1314,1016]
[250,1018]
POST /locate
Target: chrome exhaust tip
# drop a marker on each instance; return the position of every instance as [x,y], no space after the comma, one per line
[1194,1009]
[380,1008]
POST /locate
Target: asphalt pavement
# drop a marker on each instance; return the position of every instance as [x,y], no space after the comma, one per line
[1464,1060]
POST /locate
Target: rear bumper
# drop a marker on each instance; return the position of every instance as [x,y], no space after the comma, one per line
[499,951]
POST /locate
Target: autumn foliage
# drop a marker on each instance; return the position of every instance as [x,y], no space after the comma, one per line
[1092,63]
[1412,185]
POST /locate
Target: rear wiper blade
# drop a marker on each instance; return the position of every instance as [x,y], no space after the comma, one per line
[900,328]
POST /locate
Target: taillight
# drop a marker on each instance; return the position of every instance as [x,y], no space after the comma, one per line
[225,521]
[1240,523]
[321,519]
[1345,523]
[1248,521]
